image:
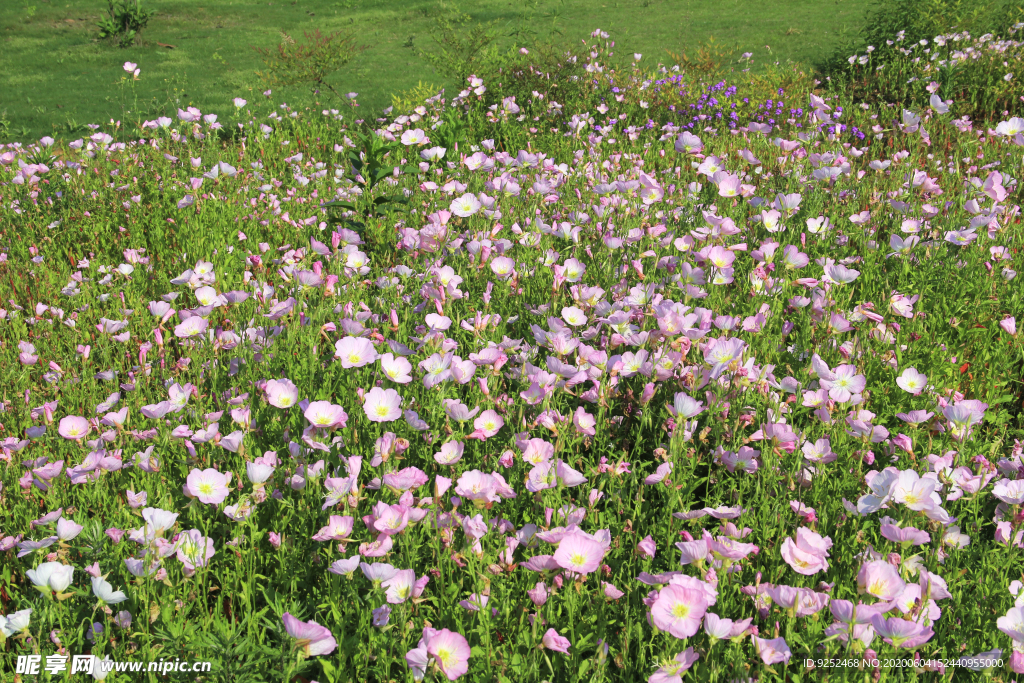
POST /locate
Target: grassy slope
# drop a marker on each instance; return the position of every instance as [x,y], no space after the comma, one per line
[56,76]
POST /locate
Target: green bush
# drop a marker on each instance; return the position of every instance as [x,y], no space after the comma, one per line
[125,21]
[965,44]
[310,63]
[980,76]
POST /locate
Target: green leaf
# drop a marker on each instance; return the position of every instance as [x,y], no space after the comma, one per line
[339,204]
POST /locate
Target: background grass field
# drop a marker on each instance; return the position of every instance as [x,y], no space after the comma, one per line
[57,75]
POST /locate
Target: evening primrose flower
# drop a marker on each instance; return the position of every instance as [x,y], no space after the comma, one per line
[574,270]
[679,610]
[382,405]
[398,369]
[446,650]
[901,632]
[105,592]
[1013,624]
[555,642]
[325,415]
[73,427]
[354,352]
[193,550]
[311,638]
[192,328]
[399,587]
[282,393]
[466,205]
[579,553]
[774,651]
[880,579]
[574,316]
[15,623]
[669,672]
[912,381]
[503,266]
[487,425]
[209,486]
[51,576]
[414,137]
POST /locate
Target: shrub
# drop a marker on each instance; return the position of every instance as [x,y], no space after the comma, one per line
[982,76]
[309,63]
[464,47]
[888,61]
[407,100]
[125,20]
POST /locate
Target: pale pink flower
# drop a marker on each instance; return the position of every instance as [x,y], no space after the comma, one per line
[774,651]
[912,381]
[73,427]
[282,393]
[670,671]
[555,642]
[880,579]
[209,486]
[679,610]
[354,352]
[398,369]
[310,637]
[487,424]
[325,415]
[579,553]
[382,405]
[450,651]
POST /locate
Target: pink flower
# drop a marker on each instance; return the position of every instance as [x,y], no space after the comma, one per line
[912,381]
[880,579]
[191,328]
[647,547]
[194,550]
[1012,624]
[209,486]
[584,421]
[555,642]
[338,528]
[670,672]
[73,427]
[901,632]
[325,415]
[312,638]
[282,393]
[905,534]
[400,586]
[450,651]
[579,553]
[679,610]
[772,651]
[397,369]
[382,405]
[354,352]
[807,555]
[611,592]
[487,424]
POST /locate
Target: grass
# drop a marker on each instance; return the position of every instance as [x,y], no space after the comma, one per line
[57,76]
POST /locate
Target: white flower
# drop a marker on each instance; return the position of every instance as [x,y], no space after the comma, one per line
[466,205]
[105,592]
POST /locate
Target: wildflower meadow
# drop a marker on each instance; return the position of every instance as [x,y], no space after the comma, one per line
[626,374]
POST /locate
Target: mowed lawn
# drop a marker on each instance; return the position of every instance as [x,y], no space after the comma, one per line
[56,75]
